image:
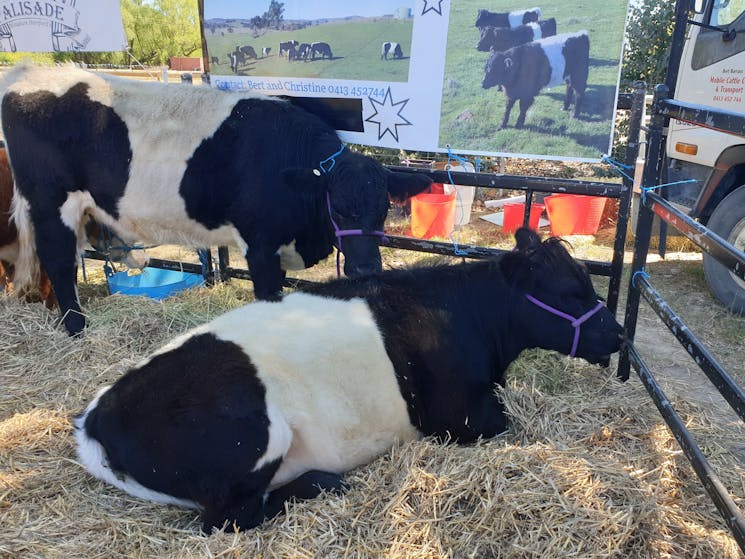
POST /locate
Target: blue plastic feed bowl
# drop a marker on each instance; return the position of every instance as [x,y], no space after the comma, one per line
[153,282]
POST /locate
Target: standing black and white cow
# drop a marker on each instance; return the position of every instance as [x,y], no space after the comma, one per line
[523,71]
[265,51]
[503,38]
[323,50]
[274,401]
[394,49]
[284,47]
[302,52]
[485,18]
[189,165]
[237,59]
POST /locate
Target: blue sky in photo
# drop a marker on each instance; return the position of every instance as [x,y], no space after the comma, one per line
[303,9]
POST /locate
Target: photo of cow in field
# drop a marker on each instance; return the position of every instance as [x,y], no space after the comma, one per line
[560,70]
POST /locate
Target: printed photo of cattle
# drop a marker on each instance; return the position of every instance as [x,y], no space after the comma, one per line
[331,39]
[534,78]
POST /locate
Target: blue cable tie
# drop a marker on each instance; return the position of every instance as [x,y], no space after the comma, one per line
[646,189]
[641,273]
[332,159]
[618,167]
[616,163]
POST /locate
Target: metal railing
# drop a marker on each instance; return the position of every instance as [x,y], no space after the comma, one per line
[640,285]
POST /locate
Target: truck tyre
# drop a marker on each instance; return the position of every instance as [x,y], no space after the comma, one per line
[728,221]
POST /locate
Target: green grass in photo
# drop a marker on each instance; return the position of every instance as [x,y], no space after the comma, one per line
[355,46]
[470,115]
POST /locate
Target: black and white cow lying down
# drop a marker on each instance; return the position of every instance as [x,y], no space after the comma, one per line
[185,165]
[274,401]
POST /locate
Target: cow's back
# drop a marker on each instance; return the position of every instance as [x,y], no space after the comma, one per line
[332,380]
[161,163]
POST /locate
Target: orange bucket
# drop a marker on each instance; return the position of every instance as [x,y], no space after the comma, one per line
[574,214]
[432,215]
[514,213]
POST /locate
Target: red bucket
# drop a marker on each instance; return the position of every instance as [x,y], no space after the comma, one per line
[514,213]
[574,214]
[432,215]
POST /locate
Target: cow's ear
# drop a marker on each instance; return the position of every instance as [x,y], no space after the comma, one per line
[526,239]
[304,180]
[405,185]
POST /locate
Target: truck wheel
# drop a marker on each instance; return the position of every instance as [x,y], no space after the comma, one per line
[728,221]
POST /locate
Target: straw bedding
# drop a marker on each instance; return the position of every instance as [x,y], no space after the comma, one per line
[588,469]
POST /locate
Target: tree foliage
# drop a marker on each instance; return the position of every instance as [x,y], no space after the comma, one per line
[648,35]
[156,30]
[161,29]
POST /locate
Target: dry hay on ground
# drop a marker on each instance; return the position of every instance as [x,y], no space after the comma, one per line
[587,470]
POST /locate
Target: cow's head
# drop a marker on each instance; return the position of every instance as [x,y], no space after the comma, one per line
[499,70]
[558,307]
[482,17]
[356,192]
[491,38]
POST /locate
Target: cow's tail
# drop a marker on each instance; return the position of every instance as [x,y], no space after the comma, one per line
[27,271]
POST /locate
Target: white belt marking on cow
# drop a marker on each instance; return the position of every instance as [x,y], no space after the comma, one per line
[537,34]
[324,366]
[280,437]
[552,47]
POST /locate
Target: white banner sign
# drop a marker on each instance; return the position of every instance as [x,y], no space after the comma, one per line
[434,75]
[61,25]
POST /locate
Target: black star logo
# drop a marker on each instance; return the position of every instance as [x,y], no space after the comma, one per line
[388,115]
[429,6]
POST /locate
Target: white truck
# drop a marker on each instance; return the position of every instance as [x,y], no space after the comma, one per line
[712,73]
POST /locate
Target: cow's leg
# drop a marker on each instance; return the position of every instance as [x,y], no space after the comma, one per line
[266,273]
[507,110]
[567,97]
[240,504]
[524,106]
[56,246]
[578,98]
[307,486]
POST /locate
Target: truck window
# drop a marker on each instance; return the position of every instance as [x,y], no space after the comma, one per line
[726,11]
[710,45]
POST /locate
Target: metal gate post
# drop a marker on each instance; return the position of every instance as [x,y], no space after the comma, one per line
[644,224]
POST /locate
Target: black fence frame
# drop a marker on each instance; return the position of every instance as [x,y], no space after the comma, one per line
[219,269]
[664,108]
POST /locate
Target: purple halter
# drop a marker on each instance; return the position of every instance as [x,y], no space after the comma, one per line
[576,322]
[337,230]
[347,233]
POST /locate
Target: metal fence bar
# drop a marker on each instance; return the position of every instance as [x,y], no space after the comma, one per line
[519,182]
[469,251]
[702,236]
[707,117]
[653,204]
[726,506]
[719,377]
